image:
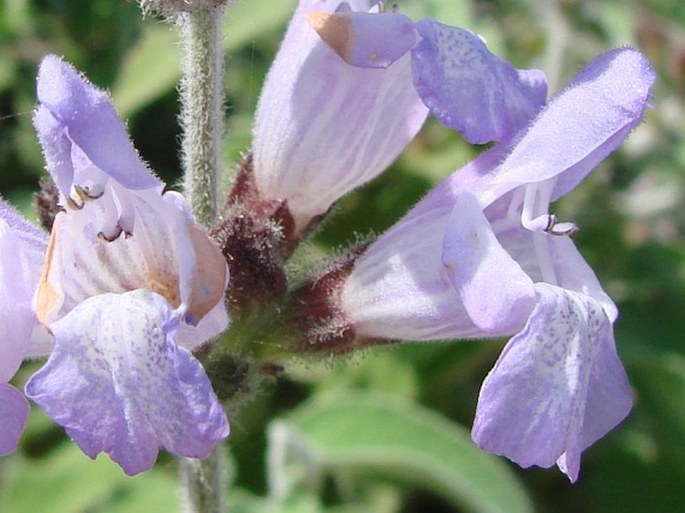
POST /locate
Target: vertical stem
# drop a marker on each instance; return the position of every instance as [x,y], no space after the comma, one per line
[202,120]
[202,116]
[205,483]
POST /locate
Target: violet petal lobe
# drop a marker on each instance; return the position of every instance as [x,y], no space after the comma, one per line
[496,292]
[74,116]
[541,254]
[396,289]
[33,238]
[150,392]
[557,387]
[192,336]
[14,410]
[471,90]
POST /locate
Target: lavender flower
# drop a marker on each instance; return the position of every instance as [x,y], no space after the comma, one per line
[465,86]
[492,261]
[323,127]
[129,286]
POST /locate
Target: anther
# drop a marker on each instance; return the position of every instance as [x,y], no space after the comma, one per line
[71,203]
[556,228]
[106,238]
[85,193]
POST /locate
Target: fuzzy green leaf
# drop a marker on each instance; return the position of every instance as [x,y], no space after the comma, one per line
[381,435]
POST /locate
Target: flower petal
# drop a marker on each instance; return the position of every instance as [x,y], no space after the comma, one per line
[497,294]
[161,250]
[22,248]
[33,238]
[568,267]
[397,288]
[214,323]
[580,125]
[324,127]
[557,387]
[203,273]
[366,40]
[150,393]
[574,273]
[75,118]
[471,90]
[14,410]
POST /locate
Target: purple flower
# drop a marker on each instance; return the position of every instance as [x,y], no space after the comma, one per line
[465,86]
[22,247]
[130,285]
[324,127]
[481,256]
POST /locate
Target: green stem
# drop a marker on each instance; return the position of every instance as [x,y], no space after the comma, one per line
[202,120]
[205,482]
[202,116]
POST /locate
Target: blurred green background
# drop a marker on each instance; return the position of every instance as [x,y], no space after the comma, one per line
[387,431]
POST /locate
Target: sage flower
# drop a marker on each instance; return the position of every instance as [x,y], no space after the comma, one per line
[481,256]
[466,87]
[129,286]
[324,127]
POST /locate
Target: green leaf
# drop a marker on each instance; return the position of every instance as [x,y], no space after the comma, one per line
[391,438]
[660,383]
[67,481]
[150,69]
[248,19]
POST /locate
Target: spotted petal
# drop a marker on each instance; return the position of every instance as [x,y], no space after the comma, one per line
[471,90]
[557,387]
[119,384]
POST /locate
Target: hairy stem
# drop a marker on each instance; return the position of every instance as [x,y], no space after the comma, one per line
[205,482]
[202,116]
[202,120]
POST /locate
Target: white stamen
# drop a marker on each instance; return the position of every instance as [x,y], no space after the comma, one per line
[535,217]
[110,229]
